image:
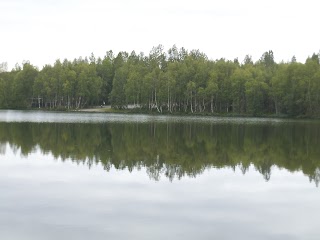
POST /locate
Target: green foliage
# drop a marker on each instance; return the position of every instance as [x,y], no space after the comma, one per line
[23,86]
[2,92]
[118,95]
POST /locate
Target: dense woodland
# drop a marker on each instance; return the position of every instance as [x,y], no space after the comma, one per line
[167,82]
[173,150]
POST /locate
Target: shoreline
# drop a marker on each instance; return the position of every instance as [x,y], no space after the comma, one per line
[108,109]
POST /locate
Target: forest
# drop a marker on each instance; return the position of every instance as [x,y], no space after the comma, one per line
[176,81]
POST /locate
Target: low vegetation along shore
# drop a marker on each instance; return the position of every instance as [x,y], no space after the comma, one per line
[175,82]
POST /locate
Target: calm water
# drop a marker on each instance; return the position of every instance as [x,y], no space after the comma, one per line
[111,176]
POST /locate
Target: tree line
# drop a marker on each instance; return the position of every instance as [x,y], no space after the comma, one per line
[166,82]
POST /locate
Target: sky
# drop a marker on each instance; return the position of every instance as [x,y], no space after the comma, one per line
[41,31]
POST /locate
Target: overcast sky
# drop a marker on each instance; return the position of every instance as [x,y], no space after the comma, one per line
[42,31]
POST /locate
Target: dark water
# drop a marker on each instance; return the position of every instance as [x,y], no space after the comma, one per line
[99,176]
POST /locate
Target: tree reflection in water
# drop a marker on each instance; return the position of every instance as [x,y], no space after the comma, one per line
[173,150]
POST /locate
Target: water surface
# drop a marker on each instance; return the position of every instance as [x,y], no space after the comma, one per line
[114,176]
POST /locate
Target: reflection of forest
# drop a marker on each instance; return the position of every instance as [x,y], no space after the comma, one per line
[174,149]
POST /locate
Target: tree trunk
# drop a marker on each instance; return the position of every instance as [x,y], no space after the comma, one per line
[204,106]
[191,103]
[155,100]
[276,107]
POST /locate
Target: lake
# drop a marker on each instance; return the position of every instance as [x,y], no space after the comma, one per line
[115,176]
